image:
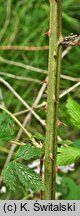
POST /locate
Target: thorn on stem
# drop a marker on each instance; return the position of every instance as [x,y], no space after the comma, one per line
[48,33]
[55,54]
[60,123]
[51,156]
[43,158]
[57,169]
[44,108]
[45,81]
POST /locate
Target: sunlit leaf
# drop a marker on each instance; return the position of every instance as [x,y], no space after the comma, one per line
[73,109]
[68,155]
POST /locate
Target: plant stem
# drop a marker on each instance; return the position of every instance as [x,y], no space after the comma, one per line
[55,51]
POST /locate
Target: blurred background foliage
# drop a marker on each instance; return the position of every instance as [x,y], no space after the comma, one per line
[24,23]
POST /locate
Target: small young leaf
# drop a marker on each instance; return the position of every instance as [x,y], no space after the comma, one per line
[9,176]
[39,136]
[28,177]
[68,155]
[28,152]
[73,109]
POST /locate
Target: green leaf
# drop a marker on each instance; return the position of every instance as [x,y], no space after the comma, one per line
[39,136]
[66,4]
[66,189]
[73,109]
[77,144]
[6,127]
[28,177]
[28,152]
[68,155]
[9,176]
[65,142]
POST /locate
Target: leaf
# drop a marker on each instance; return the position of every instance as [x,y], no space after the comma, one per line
[28,177]
[9,176]
[66,4]
[39,136]
[6,129]
[68,155]
[65,142]
[66,189]
[73,109]
[77,144]
[28,152]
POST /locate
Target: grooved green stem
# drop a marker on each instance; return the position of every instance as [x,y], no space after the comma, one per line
[55,51]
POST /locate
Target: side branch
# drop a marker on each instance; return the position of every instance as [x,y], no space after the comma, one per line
[24,48]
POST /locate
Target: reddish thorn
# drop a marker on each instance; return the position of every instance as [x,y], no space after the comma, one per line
[43,158]
[60,123]
[48,33]
[45,81]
